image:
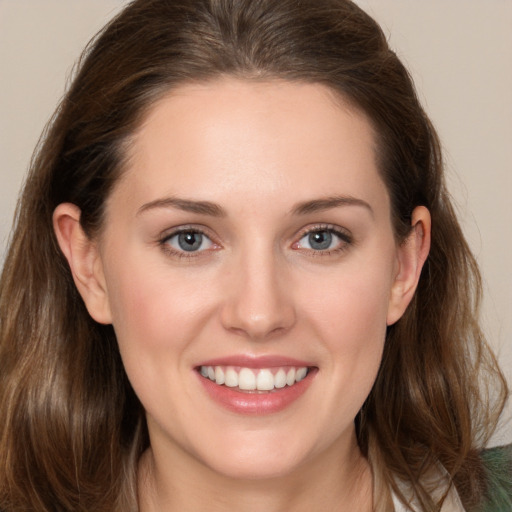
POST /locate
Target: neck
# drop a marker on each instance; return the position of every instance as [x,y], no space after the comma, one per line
[337,480]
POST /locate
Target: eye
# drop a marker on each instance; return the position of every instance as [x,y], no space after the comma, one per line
[188,241]
[323,239]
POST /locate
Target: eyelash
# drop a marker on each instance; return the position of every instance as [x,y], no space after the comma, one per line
[345,238]
[168,249]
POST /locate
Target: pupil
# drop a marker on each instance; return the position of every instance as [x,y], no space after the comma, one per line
[320,240]
[190,241]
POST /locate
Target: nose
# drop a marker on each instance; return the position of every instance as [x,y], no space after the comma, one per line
[259,299]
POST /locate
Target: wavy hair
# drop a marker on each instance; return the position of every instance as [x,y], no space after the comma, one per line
[71,428]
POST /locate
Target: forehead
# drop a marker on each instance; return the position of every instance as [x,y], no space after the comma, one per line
[263,139]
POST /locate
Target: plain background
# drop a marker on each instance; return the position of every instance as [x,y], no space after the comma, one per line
[459,53]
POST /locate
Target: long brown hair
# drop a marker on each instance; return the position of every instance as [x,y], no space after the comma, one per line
[71,427]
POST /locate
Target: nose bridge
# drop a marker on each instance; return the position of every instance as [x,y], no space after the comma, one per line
[261,303]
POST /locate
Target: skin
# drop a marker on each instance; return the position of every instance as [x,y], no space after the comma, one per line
[257,151]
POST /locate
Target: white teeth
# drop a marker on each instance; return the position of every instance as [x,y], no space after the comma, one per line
[246,379]
[280,379]
[300,374]
[265,380]
[231,378]
[220,378]
[249,379]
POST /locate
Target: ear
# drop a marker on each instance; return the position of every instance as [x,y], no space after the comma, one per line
[411,256]
[84,261]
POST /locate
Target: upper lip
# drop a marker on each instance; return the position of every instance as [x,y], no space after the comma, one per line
[250,361]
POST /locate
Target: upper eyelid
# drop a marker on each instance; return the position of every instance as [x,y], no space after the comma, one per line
[166,236]
[345,240]
[165,244]
[192,228]
[343,232]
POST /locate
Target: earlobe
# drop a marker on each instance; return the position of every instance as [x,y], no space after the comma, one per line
[411,256]
[84,261]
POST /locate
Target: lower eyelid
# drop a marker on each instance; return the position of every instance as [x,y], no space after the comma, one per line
[205,240]
[344,238]
[168,245]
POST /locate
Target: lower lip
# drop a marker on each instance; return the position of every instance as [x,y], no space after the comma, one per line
[257,403]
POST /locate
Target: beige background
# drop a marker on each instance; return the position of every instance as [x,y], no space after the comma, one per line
[460,55]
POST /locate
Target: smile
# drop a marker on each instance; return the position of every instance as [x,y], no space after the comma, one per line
[252,379]
[255,386]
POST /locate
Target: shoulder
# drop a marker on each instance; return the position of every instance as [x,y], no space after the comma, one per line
[498,467]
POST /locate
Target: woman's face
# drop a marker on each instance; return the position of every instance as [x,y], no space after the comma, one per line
[248,243]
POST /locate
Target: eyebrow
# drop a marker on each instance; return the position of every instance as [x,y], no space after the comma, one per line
[214,210]
[326,203]
[187,205]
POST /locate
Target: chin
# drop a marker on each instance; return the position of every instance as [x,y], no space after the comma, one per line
[270,457]
[261,469]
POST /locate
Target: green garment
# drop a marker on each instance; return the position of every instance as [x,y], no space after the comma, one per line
[498,465]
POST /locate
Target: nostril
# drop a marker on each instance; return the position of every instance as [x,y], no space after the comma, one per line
[259,304]
[258,324]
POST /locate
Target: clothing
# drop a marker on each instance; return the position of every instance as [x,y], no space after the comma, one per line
[498,466]
[452,502]
[498,497]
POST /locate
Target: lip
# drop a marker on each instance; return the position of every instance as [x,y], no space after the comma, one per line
[256,403]
[256,362]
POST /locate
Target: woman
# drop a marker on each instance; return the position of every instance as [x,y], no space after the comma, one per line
[243,281]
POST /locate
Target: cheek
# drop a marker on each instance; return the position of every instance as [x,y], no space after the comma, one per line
[355,329]
[349,316]
[155,317]
[151,309]
[352,304]
[157,313]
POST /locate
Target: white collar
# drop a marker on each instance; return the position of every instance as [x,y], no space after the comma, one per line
[452,503]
